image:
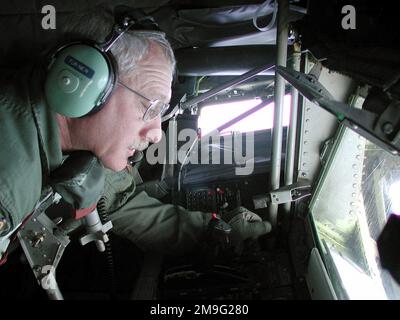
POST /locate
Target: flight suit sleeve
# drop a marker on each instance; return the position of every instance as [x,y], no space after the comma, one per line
[149,223]
[158,227]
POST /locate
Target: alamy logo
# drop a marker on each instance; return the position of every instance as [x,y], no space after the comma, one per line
[49,20]
[234,149]
[349,20]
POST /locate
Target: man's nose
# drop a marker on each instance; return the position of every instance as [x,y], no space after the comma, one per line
[153,131]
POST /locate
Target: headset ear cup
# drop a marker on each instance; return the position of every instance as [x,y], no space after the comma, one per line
[79,80]
[112,81]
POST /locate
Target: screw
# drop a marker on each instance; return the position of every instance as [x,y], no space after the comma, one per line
[387,128]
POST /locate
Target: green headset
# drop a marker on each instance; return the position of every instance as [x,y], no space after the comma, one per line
[82,74]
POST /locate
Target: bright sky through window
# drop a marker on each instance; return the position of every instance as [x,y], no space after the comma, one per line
[213,116]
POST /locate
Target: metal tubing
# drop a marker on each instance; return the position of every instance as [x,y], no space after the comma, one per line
[224,61]
[224,86]
[291,141]
[277,132]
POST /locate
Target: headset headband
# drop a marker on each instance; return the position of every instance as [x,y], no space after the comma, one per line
[83,74]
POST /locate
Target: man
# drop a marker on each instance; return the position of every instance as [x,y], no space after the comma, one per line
[34,138]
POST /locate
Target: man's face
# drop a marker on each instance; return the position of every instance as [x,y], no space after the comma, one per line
[120,128]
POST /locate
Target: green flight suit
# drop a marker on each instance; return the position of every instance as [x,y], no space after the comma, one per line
[149,223]
[24,118]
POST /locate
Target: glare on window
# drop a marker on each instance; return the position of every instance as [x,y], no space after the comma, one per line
[213,116]
[394,195]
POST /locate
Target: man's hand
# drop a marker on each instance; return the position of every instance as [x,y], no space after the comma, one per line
[245,225]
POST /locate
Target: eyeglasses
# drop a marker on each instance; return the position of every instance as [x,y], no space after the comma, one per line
[155,108]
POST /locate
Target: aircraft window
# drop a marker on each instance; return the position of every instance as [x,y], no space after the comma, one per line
[354,198]
[213,116]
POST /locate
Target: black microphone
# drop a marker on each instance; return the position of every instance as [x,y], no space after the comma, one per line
[137,157]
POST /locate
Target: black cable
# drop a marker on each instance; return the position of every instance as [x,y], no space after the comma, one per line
[113,285]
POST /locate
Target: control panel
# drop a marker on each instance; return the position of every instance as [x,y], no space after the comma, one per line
[216,199]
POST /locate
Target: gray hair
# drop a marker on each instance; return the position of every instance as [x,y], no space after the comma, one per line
[129,49]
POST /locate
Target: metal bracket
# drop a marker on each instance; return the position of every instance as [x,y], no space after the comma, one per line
[96,231]
[118,30]
[44,244]
[286,194]
[382,130]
